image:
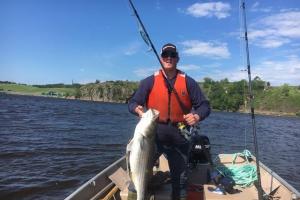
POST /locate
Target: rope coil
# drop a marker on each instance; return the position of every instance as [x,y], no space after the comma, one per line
[244,175]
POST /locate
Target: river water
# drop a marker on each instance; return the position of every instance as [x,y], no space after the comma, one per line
[49,147]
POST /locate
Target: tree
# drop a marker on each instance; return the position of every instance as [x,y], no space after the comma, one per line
[285,90]
[78,93]
[258,84]
[217,96]
[207,82]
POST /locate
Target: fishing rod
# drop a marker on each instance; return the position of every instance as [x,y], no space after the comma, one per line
[259,188]
[148,41]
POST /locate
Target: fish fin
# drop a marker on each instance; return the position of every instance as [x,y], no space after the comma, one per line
[127,161]
[129,146]
[142,142]
[128,150]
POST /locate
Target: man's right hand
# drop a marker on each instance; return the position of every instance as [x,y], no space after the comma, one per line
[139,110]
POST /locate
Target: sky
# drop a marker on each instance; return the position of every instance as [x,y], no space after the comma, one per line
[81,41]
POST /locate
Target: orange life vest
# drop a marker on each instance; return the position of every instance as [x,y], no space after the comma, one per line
[167,104]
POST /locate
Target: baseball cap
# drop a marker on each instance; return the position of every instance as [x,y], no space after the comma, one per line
[169,50]
[168,47]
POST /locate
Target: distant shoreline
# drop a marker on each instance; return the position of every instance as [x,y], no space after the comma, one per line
[35,95]
[258,112]
[272,113]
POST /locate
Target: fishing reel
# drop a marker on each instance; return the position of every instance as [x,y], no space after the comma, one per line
[199,145]
[188,131]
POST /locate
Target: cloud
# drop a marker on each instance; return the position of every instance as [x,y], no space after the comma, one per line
[212,50]
[235,74]
[273,42]
[280,72]
[255,8]
[132,48]
[255,5]
[145,71]
[210,9]
[190,67]
[276,30]
[158,5]
[277,72]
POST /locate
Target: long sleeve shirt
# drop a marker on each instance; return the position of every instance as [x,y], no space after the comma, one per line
[199,102]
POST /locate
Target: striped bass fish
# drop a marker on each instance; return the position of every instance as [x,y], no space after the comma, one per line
[141,153]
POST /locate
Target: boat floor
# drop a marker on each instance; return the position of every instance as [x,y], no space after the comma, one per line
[112,183]
[201,188]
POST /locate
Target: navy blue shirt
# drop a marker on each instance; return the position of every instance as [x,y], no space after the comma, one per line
[199,102]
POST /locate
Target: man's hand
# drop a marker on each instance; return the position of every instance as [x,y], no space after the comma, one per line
[191,119]
[139,110]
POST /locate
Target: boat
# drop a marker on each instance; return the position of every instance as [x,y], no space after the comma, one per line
[207,180]
[105,184]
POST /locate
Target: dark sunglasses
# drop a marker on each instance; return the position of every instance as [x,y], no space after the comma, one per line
[167,54]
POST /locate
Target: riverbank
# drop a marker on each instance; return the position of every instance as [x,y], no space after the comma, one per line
[272,113]
[258,112]
[224,96]
[50,91]
[35,95]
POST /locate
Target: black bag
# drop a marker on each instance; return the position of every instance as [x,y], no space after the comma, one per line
[200,150]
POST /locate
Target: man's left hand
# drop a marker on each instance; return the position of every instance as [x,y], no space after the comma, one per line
[191,119]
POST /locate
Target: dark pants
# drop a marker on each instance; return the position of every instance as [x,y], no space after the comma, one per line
[171,143]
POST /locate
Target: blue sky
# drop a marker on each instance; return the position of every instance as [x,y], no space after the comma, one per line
[60,41]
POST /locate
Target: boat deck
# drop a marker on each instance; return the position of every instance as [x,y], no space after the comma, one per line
[112,183]
[201,188]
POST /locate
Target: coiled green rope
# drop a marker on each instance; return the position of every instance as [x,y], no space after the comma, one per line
[243,175]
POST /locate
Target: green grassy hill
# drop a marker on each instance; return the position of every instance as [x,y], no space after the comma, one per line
[279,99]
[232,96]
[223,95]
[34,90]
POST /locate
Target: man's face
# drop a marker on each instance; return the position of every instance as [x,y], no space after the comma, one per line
[169,60]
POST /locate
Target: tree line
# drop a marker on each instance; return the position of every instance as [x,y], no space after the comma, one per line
[223,95]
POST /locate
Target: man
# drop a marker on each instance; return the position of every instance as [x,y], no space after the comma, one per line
[178,98]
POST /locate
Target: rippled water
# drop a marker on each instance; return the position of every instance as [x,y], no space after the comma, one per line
[49,147]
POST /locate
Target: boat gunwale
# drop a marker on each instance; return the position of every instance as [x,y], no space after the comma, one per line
[283,182]
[293,190]
[90,181]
